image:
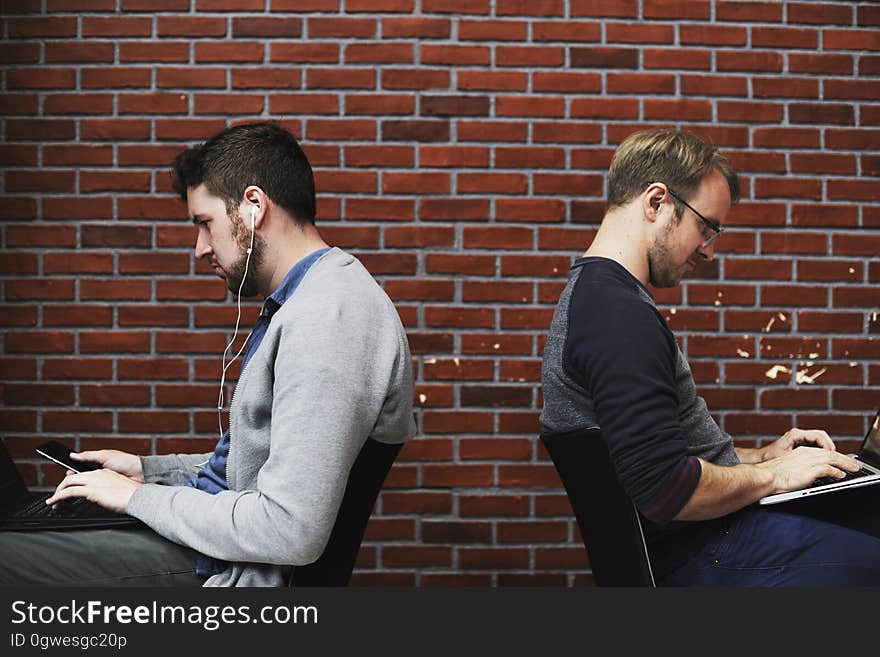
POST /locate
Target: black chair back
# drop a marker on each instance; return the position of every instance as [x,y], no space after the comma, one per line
[336,563]
[608,520]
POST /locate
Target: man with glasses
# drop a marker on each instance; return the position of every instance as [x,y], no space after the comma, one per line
[611,362]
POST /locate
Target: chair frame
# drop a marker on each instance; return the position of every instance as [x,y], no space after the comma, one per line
[608,519]
[336,564]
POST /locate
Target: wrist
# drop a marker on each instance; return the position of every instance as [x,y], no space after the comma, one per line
[766,473]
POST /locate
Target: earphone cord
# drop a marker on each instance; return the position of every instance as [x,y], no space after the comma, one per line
[226,365]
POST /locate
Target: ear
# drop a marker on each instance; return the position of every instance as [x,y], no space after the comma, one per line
[652,201]
[254,204]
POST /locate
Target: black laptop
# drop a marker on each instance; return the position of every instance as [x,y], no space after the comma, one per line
[21,510]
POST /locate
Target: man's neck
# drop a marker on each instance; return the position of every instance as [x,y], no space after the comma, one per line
[295,246]
[620,239]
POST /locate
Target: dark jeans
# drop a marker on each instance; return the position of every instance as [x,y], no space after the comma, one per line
[828,540]
[94,557]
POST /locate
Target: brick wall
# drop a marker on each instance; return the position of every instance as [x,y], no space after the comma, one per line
[460,148]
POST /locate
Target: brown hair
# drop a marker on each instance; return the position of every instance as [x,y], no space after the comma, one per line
[262,154]
[677,158]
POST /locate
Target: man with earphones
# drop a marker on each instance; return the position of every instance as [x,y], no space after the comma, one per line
[326,366]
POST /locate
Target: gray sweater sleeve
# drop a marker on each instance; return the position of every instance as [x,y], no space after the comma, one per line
[172,469]
[330,370]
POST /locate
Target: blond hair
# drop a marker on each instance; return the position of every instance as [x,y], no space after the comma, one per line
[677,158]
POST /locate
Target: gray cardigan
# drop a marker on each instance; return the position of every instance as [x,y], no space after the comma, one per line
[333,369]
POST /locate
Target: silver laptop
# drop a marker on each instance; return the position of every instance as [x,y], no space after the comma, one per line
[869,475]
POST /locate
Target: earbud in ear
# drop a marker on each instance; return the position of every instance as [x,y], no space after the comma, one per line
[253,216]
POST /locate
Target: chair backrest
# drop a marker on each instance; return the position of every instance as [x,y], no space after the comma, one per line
[608,519]
[336,563]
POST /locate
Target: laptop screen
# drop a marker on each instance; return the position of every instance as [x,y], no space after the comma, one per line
[12,488]
[870,451]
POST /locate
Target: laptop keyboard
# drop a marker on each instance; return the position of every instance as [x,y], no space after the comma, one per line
[68,509]
[822,481]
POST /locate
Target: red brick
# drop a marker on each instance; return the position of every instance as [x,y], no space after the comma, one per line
[51,27]
[820,63]
[829,322]
[454,106]
[451,263]
[341,27]
[737,10]
[415,130]
[787,137]
[568,31]
[498,237]
[677,9]
[853,348]
[240,51]
[852,190]
[454,54]
[37,342]
[786,37]
[494,558]
[625,83]
[82,155]
[527,55]
[24,104]
[638,33]
[453,209]
[785,87]
[492,81]
[794,295]
[77,420]
[820,13]
[858,297]
[456,6]
[184,26]
[350,78]
[482,506]
[496,343]
[491,131]
[116,26]
[712,35]
[416,556]
[680,59]
[455,156]
[266,27]
[425,28]
[93,51]
[49,78]
[740,60]
[851,89]
[824,215]
[415,183]
[491,30]
[836,39]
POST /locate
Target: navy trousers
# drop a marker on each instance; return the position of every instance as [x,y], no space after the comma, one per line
[828,540]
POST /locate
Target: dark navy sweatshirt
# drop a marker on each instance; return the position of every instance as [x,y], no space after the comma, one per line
[611,362]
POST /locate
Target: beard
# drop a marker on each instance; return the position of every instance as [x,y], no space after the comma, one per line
[663,270]
[235,275]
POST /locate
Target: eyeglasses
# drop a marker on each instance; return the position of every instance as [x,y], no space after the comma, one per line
[711,229]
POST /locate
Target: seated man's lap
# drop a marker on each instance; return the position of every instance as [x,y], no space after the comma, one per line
[95,557]
[810,543]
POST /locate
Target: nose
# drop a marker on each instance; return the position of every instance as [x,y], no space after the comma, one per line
[203,245]
[707,252]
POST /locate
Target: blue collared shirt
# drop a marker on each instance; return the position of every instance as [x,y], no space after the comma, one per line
[212,477]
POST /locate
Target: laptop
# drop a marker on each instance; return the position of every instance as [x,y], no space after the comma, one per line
[869,475]
[21,510]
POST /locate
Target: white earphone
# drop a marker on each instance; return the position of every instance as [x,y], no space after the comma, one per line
[224,364]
